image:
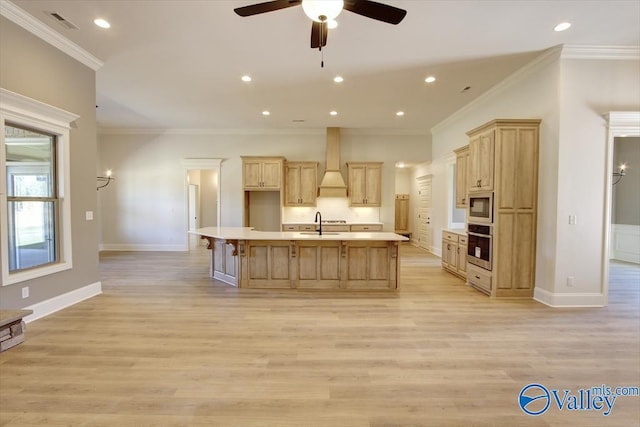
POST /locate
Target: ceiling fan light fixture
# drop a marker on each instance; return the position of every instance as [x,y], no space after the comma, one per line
[322,10]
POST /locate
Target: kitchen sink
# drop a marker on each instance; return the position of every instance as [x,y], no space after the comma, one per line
[326,233]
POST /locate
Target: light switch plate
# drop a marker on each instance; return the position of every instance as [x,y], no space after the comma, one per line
[88,215]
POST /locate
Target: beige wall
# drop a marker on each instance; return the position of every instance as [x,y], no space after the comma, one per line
[33,68]
[148,194]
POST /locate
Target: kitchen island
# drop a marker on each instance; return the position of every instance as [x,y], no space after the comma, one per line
[247,258]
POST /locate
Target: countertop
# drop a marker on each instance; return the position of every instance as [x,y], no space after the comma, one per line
[460,231]
[333,223]
[248,233]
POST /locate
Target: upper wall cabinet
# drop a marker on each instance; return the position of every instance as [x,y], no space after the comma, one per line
[301,183]
[462,187]
[365,183]
[262,173]
[480,166]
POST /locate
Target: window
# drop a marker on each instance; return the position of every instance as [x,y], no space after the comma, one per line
[32,202]
[35,230]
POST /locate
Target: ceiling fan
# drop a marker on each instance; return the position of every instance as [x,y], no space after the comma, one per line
[322,12]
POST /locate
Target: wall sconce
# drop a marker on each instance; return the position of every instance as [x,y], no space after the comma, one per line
[622,171]
[105,180]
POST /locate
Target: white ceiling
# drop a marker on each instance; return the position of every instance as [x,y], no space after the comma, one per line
[177,64]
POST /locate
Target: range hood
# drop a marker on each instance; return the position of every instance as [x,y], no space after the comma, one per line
[332,183]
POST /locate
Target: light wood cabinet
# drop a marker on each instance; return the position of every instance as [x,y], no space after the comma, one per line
[462,255]
[301,183]
[462,166]
[299,227]
[365,227]
[370,265]
[262,173]
[515,146]
[267,264]
[314,264]
[454,253]
[402,214]
[365,183]
[318,264]
[481,160]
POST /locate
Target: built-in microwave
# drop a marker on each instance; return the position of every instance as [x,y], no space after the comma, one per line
[480,208]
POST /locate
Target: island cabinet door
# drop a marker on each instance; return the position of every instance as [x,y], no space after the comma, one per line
[317,264]
[224,262]
[266,264]
[370,265]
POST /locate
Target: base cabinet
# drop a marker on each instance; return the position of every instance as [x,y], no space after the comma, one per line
[454,253]
[224,266]
[306,264]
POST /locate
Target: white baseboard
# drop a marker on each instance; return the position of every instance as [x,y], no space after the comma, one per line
[568,300]
[141,247]
[44,308]
[625,243]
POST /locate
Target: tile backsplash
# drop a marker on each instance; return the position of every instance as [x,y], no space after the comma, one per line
[331,208]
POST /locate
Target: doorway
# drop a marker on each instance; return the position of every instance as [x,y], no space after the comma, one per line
[623,126]
[202,197]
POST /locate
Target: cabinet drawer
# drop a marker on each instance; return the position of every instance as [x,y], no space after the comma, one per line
[462,240]
[336,228]
[479,277]
[452,237]
[308,227]
[287,227]
[366,227]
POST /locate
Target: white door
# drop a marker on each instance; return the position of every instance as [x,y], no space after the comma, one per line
[194,220]
[424,212]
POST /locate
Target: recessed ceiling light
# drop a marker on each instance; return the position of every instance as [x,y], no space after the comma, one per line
[246,78]
[338,79]
[265,113]
[102,23]
[334,113]
[430,79]
[562,26]
[332,24]
[400,165]
[400,113]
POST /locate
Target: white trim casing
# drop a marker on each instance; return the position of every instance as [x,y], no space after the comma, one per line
[47,307]
[37,115]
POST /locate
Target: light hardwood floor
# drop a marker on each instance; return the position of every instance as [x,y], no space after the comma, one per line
[166,346]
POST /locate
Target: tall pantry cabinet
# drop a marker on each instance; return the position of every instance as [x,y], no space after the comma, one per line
[503,157]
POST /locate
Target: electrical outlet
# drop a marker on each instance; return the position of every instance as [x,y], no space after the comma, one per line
[25,292]
[570,281]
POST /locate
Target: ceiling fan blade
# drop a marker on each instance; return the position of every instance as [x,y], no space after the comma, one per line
[269,6]
[319,30]
[375,10]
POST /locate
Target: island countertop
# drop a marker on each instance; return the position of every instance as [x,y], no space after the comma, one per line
[248,233]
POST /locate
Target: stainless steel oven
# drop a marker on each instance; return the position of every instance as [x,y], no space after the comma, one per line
[480,245]
[480,208]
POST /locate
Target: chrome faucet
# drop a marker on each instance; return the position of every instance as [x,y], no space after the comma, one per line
[319,215]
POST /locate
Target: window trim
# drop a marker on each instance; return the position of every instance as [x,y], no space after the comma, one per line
[23,111]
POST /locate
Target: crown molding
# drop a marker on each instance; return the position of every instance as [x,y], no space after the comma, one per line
[44,32]
[600,52]
[246,132]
